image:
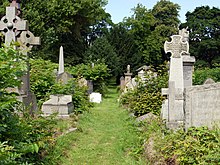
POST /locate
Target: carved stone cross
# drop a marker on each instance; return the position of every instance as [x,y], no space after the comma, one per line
[176,47]
[27,40]
[11,25]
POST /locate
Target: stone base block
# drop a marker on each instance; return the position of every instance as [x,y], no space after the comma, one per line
[60,104]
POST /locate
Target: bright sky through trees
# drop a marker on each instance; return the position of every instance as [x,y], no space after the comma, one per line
[122,8]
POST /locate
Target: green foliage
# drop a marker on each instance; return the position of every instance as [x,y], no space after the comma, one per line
[101,51]
[98,74]
[203,25]
[125,47]
[201,75]
[146,97]
[66,23]
[196,146]
[42,78]
[79,94]
[43,83]
[22,137]
[151,28]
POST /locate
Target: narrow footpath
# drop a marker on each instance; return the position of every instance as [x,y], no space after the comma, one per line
[107,136]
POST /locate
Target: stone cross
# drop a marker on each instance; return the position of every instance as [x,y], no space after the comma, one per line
[185,34]
[11,25]
[61,62]
[27,40]
[16,3]
[176,47]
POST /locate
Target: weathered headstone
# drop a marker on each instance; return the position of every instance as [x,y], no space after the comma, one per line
[128,74]
[15,29]
[95,97]
[176,82]
[61,62]
[122,83]
[90,86]
[11,25]
[202,105]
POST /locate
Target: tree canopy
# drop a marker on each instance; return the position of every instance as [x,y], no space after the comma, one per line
[203,24]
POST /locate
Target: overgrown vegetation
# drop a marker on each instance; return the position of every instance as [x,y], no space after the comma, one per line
[194,146]
[200,75]
[99,74]
[146,97]
[22,137]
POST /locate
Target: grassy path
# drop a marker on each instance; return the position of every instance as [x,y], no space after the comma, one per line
[106,137]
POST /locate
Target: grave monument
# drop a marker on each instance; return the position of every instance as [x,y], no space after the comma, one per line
[15,29]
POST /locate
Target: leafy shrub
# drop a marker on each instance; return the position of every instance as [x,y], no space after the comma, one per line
[79,94]
[23,137]
[42,78]
[196,146]
[201,75]
[98,74]
[146,97]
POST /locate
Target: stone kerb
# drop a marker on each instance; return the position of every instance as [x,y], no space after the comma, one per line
[202,105]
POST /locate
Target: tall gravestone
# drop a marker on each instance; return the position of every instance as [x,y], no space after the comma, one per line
[59,103]
[62,76]
[16,30]
[176,81]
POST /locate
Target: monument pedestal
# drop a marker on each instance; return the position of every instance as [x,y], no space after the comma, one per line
[60,104]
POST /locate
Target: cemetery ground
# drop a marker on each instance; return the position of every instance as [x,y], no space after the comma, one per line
[106,135]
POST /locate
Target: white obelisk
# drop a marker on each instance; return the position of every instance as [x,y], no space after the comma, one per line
[61,62]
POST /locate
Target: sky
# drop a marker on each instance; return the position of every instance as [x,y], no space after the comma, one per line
[122,8]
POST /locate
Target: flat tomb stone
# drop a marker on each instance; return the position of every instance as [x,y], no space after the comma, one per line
[61,104]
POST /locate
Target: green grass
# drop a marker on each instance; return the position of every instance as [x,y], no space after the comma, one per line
[106,136]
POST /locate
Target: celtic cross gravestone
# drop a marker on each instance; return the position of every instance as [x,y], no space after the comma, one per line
[176,81]
[11,25]
[16,30]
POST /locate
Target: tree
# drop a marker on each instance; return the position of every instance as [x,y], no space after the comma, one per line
[101,51]
[203,24]
[151,28]
[125,47]
[65,23]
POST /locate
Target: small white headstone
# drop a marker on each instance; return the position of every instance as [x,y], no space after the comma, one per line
[95,97]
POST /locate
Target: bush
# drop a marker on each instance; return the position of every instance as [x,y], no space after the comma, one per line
[42,78]
[22,137]
[201,75]
[196,146]
[98,74]
[146,97]
[79,94]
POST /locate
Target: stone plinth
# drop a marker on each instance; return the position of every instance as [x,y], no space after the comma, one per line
[61,104]
[64,77]
[188,63]
[127,77]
